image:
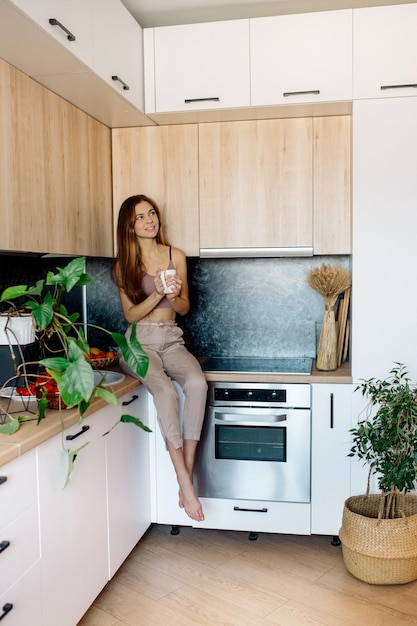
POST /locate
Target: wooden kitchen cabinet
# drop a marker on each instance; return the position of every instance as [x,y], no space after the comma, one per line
[332,185]
[128,478]
[73,523]
[256,183]
[162,163]
[385,51]
[301,58]
[56,171]
[330,465]
[197,66]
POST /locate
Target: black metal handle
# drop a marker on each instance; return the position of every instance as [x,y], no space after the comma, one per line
[212,99]
[263,510]
[3,479]
[397,86]
[54,22]
[331,410]
[3,545]
[125,85]
[133,398]
[315,92]
[6,609]
[82,431]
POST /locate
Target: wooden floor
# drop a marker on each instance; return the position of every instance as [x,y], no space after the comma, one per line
[204,577]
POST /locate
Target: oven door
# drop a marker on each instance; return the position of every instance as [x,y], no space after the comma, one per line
[254,454]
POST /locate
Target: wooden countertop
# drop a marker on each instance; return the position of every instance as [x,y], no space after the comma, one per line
[31,435]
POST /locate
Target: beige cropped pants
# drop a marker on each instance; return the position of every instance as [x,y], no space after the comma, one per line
[170,360]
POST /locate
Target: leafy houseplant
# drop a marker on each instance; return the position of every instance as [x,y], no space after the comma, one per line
[69,366]
[385,522]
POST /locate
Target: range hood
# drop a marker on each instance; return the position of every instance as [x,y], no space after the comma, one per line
[219,253]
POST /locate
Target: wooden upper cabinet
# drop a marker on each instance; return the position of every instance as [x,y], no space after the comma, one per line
[385,51]
[162,163]
[332,185]
[256,184]
[56,173]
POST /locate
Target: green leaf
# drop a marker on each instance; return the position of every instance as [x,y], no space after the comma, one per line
[133,353]
[43,312]
[10,427]
[72,455]
[72,275]
[13,292]
[36,290]
[130,419]
[106,395]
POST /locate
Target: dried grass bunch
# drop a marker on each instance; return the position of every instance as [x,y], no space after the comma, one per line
[329,282]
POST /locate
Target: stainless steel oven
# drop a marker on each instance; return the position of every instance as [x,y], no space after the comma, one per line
[255,443]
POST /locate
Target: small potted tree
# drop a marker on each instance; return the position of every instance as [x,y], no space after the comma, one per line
[64,364]
[379,531]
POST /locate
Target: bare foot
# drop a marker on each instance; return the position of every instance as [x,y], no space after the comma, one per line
[190,503]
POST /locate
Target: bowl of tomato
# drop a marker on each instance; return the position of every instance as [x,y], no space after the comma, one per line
[102,359]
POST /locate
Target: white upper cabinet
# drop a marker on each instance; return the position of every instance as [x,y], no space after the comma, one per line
[301,58]
[118,49]
[71,27]
[385,51]
[197,66]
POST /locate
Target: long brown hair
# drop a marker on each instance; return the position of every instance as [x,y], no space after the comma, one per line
[128,270]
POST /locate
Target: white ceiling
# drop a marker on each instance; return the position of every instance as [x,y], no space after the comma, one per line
[164,12]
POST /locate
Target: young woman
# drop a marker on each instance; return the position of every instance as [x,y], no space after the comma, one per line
[143,252]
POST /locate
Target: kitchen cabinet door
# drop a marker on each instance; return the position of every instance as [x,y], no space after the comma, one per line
[256,184]
[332,185]
[385,51]
[330,465]
[301,58]
[162,163]
[118,49]
[128,478]
[75,24]
[384,240]
[198,66]
[73,523]
[25,597]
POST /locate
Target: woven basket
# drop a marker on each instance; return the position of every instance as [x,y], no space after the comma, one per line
[106,362]
[379,551]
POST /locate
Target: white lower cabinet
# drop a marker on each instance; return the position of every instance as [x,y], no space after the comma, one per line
[330,471]
[73,523]
[20,605]
[128,479]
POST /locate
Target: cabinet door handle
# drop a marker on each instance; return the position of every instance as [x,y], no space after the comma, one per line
[6,609]
[132,399]
[212,99]
[3,479]
[125,85]
[263,510]
[397,86]
[54,22]
[331,410]
[314,92]
[4,545]
[80,432]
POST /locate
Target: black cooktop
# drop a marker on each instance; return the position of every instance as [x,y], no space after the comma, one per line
[256,365]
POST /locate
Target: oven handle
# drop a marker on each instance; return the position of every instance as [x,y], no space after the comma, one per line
[262,419]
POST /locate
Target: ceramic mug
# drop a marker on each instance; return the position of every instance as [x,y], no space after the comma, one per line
[164,275]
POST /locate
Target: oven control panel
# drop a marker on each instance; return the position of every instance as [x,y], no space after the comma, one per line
[228,394]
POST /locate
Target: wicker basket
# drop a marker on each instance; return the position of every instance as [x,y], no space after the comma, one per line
[54,399]
[379,551]
[103,363]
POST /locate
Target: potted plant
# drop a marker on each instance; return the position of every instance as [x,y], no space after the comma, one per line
[379,531]
[64,362]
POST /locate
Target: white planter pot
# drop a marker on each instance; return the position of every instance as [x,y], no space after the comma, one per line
[16,330]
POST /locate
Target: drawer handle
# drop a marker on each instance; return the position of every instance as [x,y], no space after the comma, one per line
[132,399]
[212,99]
[80,432]
[6,609]
[397,86]
[331,410]
[3,479]
[263,510]
[314,92]
[4,545]
[125,85]
[54,22]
